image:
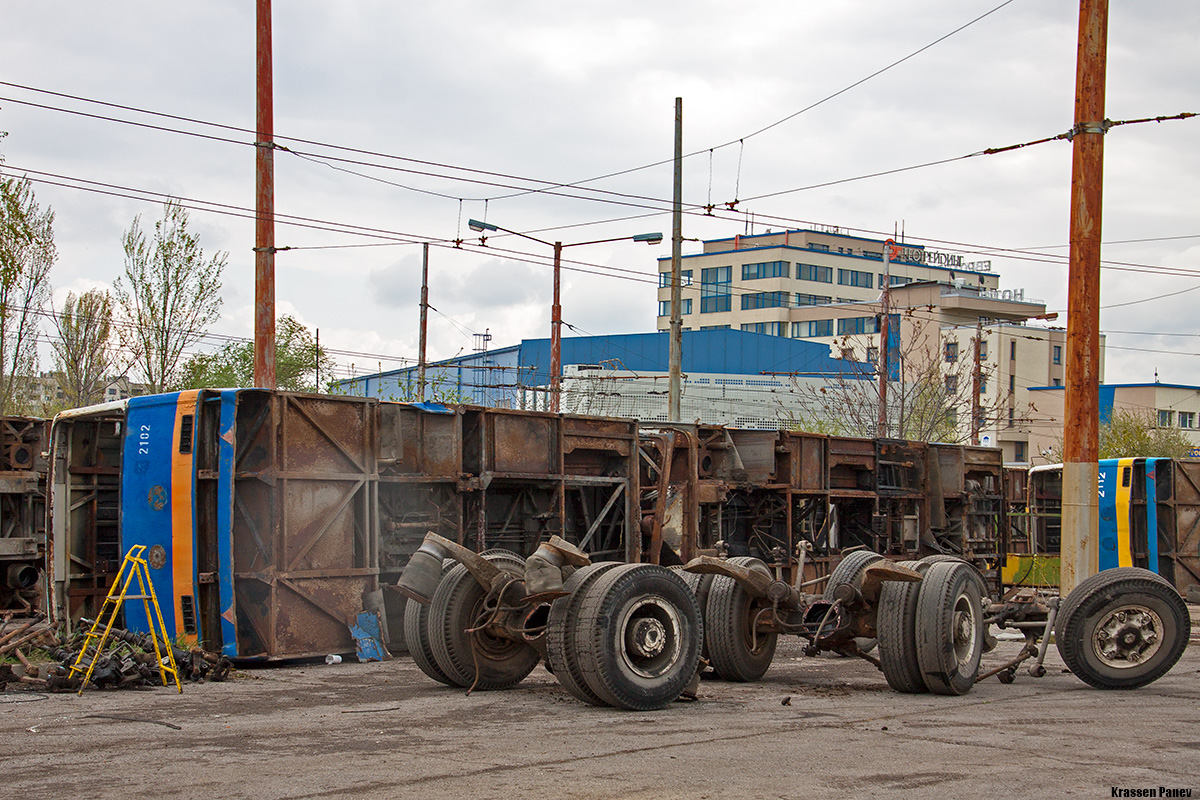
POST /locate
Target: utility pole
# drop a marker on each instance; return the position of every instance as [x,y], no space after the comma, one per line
[1081,434]
[556,332]
[884,333]
[424,321]
[317,359]
[675,379]
[977,384]
[264,224]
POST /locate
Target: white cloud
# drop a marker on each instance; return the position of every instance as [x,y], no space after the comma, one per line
[589,90]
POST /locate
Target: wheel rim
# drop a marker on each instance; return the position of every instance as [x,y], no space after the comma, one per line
[1128,636]
[499,648]
[649,636]
[965,626]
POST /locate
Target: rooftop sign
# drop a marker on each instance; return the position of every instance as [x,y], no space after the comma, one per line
[930,258]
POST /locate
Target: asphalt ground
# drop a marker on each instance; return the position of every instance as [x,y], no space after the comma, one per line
[822,726]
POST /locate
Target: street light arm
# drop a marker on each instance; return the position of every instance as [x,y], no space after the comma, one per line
[648,238]
[481,227]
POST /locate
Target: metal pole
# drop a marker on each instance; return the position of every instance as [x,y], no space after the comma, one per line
[1081,432]
[675,379]
[317,359]
[556,332]
[424,321]
[264,226]
[884,326]
[976,381]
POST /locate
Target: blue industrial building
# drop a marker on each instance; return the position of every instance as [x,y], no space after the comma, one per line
[517,376]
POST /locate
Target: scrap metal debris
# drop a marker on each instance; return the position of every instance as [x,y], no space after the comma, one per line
[128,661]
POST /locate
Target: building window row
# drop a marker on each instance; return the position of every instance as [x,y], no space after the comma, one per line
[853,325]
[812,328]
[766,269]
[854,277]
[803,299]
[765,300]
[664,278]
[715,289]
[769,328]
[815,273]
[664,307]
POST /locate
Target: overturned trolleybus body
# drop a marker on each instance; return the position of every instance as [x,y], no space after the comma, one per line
[626,556]
[1149,517]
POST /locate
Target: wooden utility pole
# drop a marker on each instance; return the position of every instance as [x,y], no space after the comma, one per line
[264,195]
[424,321]
[884,334]
[1081,434]
[675,363]
[556,332]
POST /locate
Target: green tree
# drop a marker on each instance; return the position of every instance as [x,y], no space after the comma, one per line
[84,350]
[169,296]
[26,254]
[1134,434]
[296,358]
[1129,434]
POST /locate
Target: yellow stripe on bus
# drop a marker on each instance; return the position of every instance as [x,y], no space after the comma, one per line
[1124,492]
[181,514]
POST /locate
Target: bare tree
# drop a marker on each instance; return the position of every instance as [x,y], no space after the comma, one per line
[84,350]
[26,254]
[169,296]
[929,395]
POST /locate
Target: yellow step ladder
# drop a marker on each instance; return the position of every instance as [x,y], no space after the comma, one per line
[117,595]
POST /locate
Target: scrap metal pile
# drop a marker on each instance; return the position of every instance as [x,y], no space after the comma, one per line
[127,661]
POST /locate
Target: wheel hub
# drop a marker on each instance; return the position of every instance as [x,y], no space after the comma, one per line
[963,630]
[648,637]
[1127,636]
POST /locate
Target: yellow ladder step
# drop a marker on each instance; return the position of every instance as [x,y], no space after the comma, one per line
[141,570]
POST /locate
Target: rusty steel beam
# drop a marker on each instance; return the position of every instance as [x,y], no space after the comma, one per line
[1081,433]
[264,204]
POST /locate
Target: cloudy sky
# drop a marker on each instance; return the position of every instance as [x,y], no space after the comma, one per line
[463,109]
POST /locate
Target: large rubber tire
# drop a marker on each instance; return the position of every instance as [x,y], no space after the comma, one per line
[638,636]
[736,652]
[1122,628]
[989,641]
[416,635]
[700,585]
[949,628]
[561,656]
[896,622]
[849,571]
[456,606]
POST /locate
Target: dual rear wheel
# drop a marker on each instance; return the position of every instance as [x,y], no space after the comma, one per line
[931,633]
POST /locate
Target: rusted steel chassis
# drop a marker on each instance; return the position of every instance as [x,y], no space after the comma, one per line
[519,608]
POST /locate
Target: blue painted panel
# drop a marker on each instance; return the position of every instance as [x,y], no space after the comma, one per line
[146,501]
[1108,393]
[1152,511]
[1108,514]
[225,467]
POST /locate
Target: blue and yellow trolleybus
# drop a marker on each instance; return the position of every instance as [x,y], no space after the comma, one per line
[1149,517]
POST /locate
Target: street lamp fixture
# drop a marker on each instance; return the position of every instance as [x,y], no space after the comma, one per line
[556,308]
